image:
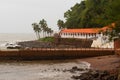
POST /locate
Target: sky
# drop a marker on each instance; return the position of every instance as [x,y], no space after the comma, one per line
[16,16]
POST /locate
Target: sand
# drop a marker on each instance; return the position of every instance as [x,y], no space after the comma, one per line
[109,62]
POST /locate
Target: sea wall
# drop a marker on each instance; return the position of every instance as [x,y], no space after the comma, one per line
[54,53]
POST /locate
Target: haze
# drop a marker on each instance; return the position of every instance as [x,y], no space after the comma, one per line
[16,16]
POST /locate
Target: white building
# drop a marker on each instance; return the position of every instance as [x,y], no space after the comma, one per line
[96,34]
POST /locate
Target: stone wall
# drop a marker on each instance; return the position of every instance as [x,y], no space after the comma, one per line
[81,43]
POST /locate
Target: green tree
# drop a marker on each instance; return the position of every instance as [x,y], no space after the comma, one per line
[43,25]
[113,12]
[36,29]
[73,16]
[88,13]
[60,24]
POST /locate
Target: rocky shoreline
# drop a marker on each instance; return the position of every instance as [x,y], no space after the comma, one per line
[102,68]
[97,75]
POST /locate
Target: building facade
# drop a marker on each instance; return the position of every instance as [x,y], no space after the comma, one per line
[100,40]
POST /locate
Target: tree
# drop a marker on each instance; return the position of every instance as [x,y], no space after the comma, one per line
[87,14]
[113,12]
[43,25]
[36,29]
[60,24]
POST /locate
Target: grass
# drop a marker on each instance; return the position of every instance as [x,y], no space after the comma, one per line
[47,39]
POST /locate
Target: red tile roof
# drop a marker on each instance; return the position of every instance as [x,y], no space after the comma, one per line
[87,30]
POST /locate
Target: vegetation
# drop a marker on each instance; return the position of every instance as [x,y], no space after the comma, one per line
[92,14]
[89,13]
[36,29]
[47,39]
[42,27]
[60,24]
[114,16]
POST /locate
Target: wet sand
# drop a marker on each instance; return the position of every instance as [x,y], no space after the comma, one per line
[109,62]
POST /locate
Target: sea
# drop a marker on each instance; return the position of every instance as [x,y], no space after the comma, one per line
[37,70]
[13,37]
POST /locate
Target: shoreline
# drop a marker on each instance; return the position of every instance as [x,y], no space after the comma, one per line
[98,65]
[102,68]
[104,62]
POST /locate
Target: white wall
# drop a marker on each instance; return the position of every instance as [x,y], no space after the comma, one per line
[100,42]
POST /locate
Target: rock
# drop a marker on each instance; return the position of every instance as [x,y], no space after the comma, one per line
[75,68]
[72,71]
[104,73]
[112,77]
[75,77]
[65,70]
[96,75]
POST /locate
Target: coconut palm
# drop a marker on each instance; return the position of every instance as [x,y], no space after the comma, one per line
[43,26]
[36,29]
[60,24]
[50,32]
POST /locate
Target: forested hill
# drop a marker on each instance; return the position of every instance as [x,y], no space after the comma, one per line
[92,13]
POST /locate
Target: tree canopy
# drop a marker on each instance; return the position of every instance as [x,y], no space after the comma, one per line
[92,13]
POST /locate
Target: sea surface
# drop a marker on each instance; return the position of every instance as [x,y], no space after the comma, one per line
[15,37]
[12,37]
[37,70]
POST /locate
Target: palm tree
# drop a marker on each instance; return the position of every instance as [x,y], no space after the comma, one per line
[46,30]
[50,31]
[43,26]
[60,24]
[36,29]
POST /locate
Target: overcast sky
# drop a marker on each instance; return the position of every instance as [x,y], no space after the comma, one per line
[16,16]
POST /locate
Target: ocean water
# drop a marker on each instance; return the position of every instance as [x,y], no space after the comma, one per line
[15,37]
[11,37]
[40,70]
[36,70]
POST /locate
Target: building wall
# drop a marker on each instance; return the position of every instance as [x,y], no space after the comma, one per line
[81,36]
[99,40]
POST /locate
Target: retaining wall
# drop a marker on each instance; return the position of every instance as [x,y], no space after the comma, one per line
[54,54]
[81,43]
